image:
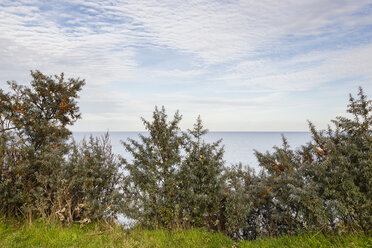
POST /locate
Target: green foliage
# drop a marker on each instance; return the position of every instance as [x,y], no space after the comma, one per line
[344,160]
[33,139]
[201,180]
[151,182]
[321,186]
[41,173]
[245,203]
[175,178]
[88,186]
[11,196]
[325,184]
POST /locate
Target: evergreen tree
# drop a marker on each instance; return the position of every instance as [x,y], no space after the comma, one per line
[151,183]
[201,179]
[175,178]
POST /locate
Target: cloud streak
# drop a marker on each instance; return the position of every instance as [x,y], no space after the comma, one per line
[192,54]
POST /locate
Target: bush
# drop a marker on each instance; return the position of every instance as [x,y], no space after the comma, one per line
[33,140]
[41,173]
[325,184]
[89,186]
[174,179]
[201,180]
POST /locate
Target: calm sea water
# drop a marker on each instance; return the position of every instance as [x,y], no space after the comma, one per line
[239,146]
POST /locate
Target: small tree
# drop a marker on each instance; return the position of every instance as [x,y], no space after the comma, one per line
[201,179]
[151,182]
[175,179]
[33,124]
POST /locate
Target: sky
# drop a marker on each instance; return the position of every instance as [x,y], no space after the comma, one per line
[241,65]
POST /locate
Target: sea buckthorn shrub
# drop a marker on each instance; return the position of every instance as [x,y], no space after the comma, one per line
[324,185]
[41,172]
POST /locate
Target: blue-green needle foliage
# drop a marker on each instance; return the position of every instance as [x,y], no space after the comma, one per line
[201,180]
[178,180]
[175,179]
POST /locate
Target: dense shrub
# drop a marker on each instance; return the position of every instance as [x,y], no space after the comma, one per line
[242,188]
[41,173]
[325,184]
[89,186]
[175,179]
[201,180]
[34,133]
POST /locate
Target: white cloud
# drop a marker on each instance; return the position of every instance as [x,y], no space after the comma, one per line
[302,72]
[221,31]
[177,74]
[104,34]
[31,38]
[231,47]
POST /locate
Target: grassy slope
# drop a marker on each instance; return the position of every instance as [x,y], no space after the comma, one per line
[41,235]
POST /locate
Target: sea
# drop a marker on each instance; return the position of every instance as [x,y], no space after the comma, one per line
[239,146]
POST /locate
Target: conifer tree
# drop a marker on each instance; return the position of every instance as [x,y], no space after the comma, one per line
[175,178]
[151,184]
[202,180]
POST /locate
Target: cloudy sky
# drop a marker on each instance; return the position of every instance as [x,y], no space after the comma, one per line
[242,65]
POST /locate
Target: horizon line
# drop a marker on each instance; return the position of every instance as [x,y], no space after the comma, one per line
[209,131]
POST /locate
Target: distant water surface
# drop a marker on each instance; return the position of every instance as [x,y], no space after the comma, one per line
[239,146]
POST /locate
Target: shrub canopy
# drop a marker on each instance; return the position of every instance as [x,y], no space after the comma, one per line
[41,173]
[175,178]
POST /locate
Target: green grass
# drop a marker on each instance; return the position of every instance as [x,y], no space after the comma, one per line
[98,235]
[311,240]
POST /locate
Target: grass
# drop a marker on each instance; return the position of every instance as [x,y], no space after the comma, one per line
[310,240]
[98,235]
